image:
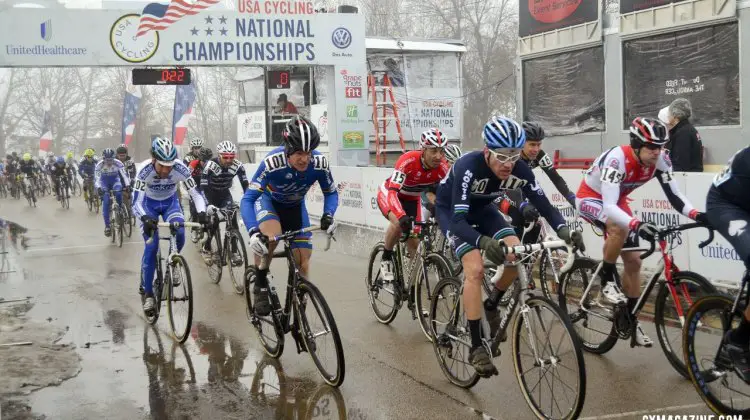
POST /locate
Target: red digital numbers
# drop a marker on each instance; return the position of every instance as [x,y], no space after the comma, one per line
[180,75]
[284,78]
[165,75]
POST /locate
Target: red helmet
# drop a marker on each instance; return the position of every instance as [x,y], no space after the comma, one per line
[648,131]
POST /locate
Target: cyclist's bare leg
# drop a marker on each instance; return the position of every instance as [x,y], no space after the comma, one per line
[392,233]
[302,258]
[269,228]
[631,275]
[616,236]
[474,275]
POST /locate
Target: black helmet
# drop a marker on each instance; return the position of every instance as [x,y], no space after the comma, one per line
[122,149]
[300,135]
[205,153]
[534,131]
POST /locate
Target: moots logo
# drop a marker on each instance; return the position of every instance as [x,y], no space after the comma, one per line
[341,38]
[128,46]
[551,11]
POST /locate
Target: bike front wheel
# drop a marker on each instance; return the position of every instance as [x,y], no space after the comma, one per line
[179,298]
[310,306]
[269,329]
[439,266]
[234,242]
[550,347]
[382,294]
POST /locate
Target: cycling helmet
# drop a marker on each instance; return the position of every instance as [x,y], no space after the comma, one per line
[50,154]
[163,151]
[122,149]
[27,157]
[502,132]
[89,152]
[196,142]
[205,153]
[300,135]
[108,153]
[69,155]
[432,138]
[648,131]
[452,153]
[534,131]
[60,160]
[226,149]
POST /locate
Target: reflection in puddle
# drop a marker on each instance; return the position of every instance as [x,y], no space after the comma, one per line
[176,390]
[14,232]
[115,320]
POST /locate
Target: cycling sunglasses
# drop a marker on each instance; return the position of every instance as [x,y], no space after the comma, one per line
[503,158]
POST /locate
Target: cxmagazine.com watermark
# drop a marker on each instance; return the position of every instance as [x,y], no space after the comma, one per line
[692,417]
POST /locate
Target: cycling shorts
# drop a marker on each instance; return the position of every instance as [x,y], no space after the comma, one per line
[732,221]
[488,220]
[291,217]
[412,208]
[591,210]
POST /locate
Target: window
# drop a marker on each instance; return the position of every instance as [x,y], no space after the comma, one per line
[700,64]
[565,92]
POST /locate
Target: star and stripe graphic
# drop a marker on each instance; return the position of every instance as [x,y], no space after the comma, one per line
[184,98]
[130,112]
[158,17]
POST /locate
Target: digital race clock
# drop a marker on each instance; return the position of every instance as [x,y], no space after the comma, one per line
[161,76]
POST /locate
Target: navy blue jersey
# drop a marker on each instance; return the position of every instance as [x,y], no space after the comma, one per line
[733,183]
[471,185]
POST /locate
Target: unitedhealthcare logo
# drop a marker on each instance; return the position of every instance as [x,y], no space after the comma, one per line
[45,32]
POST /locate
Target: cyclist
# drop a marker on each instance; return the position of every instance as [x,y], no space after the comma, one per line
[70,163]
[58,170]
[196,145]
[196,170]
[399,196]
[86,168]
[452,153]
[216,185]
[110,175]
[466,196]
[155,194]
[30,168]
[275,200]
[11,169]
[728,211]
[602,200]
[122,156]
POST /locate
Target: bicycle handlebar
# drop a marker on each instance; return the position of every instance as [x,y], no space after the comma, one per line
[172,225]
[291,234]
[528,248]
[662,235]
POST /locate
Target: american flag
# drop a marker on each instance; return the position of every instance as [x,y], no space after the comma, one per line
[45,140]
[129,112]
[184,97]
[157,16]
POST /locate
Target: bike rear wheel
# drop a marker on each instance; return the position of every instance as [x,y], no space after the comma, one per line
[546,355]
[269,328]
[180,293]
[215,268]
[119,219]
[712,375]
[310,296]
[236,273]
[598,338]
[668,317]
[377,287]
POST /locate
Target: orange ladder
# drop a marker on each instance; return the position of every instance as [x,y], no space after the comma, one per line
[380,115]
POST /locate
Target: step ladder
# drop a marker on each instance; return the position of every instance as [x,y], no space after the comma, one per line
[384,109]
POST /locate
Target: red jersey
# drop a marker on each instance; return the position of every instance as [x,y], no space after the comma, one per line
[410,179]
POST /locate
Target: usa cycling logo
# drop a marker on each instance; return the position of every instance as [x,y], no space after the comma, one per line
[341,38]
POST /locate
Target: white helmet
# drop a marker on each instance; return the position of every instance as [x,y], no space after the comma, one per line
[226,148]
[452,153]
[196,142]
[433,138]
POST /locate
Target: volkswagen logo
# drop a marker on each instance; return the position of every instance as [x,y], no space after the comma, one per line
[341,38]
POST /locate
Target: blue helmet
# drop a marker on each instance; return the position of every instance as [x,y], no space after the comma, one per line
[163,151]
[60,159]
[108,153]
[502,132]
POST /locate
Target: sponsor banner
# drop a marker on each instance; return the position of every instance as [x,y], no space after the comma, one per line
[539,16]
[319,117]
[628,6]
[349,186]
[251,128]
[255,33]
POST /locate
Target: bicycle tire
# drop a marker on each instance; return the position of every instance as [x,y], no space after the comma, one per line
[128,222]
[585,266]
[120,221]
[215,277]
[544,264]
[383,318]
[313,412]
[90,201]
[112,220]
[304,287]
[706,288]
[577,355]
[444,284]
[180,334]
[239,284]
[706,303]
[422,308]
[255,321]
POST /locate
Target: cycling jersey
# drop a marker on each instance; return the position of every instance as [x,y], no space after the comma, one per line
[615,174]
[189,158]
[733,183]
[216,180]
[87,167]
[58,169]
[471,186]
[150,190]
[108,174]
[129,166]
[28,167]
[280,186]
[407,182]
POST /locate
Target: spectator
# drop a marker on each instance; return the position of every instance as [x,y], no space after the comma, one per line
[285,106]
[686,149]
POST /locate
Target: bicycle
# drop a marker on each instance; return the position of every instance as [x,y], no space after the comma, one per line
[92,199]
[714,367]
[63,192]
[129,218]
[116,219]
[452,337]
[410,283]
[292,318]
[28,189]
[166,282]
[222,254]
[677,285]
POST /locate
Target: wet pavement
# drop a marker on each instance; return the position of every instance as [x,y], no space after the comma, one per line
[87,287]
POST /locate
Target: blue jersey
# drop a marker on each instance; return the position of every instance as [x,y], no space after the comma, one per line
[87,167]
[471,185]
[287,186]
[109,173]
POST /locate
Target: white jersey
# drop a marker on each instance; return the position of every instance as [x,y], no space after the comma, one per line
[110,172]
[149,185]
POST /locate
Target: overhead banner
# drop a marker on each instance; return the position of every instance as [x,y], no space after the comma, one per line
[256,33]
[700,64]
[539,16]
[565,92]
[629,6]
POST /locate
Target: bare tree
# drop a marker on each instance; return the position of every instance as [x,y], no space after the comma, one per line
[11,115]
[85,79]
